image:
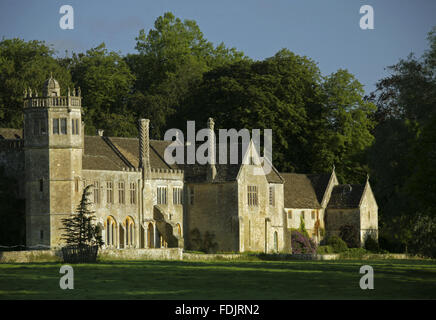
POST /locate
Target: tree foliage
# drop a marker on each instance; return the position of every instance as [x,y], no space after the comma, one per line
[316,121]
[23,65]
[403,157]
[106,81]
[171,60]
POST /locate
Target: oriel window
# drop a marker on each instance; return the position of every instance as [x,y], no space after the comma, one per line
[55,126]
[63,125]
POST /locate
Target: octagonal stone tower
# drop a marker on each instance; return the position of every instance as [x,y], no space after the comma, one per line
[53,147]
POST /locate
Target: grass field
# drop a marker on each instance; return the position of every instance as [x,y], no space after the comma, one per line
[393,279]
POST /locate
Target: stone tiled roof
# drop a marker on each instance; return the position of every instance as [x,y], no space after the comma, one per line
[299,191]
[320,183]
[8,133]
[129,147]
[108,153]
[346,196]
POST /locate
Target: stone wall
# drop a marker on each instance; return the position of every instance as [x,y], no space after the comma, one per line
[12,160]
[107,254]
[142,254]
[214,210]
[30,256]
[336,218]
[206,257]
[261,225]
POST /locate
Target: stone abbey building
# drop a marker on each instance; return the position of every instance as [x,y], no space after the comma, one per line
[141,201]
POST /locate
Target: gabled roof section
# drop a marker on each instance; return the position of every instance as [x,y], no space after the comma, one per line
[108,153]
[98,155]
[299,191]
[346,196]
[11,134]
[320,183]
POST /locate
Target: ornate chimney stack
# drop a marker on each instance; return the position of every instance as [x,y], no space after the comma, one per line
[211,171]
[144,143]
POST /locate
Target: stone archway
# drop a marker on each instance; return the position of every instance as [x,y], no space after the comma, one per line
[150,236]
[276,242]
[179,230]
[121,237]
[111,232]
[130,231]
[141,237]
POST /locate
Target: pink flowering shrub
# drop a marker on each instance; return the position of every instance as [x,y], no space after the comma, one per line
[302,244]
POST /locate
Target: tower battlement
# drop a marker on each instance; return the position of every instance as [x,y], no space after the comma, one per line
[51,96]
[47,102]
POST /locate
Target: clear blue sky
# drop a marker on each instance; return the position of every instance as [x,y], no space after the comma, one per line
[325,30]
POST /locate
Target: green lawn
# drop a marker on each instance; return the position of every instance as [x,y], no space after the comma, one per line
[393,279]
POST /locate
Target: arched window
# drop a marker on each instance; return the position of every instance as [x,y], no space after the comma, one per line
[110,231]
[179,230]
[130,226]
[150,236]
[276,242]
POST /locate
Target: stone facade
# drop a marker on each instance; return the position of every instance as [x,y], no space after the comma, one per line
[141,201]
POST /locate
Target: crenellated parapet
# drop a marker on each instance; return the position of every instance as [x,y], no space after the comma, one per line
[47,102]
[160,173]
[170,174]
[51,96]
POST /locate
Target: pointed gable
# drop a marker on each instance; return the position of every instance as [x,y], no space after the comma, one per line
[320,182]
[346,196]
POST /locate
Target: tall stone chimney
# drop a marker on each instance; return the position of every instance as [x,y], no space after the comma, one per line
[144,143]
[211,170]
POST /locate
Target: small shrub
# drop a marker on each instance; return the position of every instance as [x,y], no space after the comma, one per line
[337,244]
[324,250]
[353,253]
[389,244]
[302,228]
[371,244]
[322,232]
[204,243]
[350,235]
[424,235]
[302,244]
[195,240]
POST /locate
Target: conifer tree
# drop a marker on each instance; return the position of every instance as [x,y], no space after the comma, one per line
[80,229]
